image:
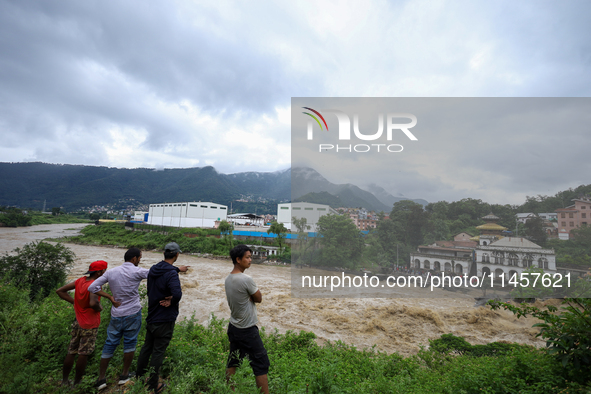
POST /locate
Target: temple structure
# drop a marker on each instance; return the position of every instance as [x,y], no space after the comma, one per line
[489,252]
[489,231]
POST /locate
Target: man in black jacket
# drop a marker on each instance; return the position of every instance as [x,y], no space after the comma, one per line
[164,294]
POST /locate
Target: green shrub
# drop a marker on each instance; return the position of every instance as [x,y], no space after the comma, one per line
[38,266]
[450,344]
[14,217]
[567,334]
[34,336]
[116,234]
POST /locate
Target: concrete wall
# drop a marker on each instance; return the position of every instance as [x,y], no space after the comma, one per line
[312,212]
[187,214]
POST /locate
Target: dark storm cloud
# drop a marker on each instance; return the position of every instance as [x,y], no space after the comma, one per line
[86,66]
[149,43]
[183,83]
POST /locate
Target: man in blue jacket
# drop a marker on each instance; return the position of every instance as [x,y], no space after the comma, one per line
[164,294]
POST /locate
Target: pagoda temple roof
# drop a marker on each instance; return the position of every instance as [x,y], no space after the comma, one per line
[491,226]
[490,216]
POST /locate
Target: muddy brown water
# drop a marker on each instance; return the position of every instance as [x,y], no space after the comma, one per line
[392,325]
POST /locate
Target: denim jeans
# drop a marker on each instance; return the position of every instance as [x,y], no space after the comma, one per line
[127,327]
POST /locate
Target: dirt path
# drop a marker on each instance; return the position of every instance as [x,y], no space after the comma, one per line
[392,325]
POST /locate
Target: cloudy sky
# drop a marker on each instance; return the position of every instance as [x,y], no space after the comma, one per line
[168,84]
[496,149]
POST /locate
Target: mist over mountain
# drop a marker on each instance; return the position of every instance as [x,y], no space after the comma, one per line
[321,198]
[306,180]
[387,198]
[28,185]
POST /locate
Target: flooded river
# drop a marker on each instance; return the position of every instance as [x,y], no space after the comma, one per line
[392,325]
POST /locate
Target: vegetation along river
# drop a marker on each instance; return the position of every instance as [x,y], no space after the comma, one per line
[392,325]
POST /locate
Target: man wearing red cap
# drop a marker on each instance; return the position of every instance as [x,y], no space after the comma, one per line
[87,307]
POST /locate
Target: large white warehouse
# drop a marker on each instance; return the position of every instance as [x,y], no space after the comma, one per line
[187,214]
[312,212]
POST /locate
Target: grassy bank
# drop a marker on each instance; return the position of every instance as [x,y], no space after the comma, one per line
[15,217]
[42,218]
[193,240]
[116,234]
[34,338]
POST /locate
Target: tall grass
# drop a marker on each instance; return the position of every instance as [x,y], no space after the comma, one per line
[148,237]
[42,218]
[34,337]
[117,234]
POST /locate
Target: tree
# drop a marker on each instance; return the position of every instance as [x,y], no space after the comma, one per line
[14,217]
[531,291]
[566,333]
[55,211]
[225,227]
[388,233]
[534,230]
[582,237]
[226,231]
[439,210]
[342,244]
[374,253]
[279,230]
[413,219]
[38,266]
[439,230]
[301,224]
[468,210]
[507,215]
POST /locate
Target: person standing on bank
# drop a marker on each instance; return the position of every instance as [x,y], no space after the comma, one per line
[242,294]
[126,320]
[87,307]
[164,294]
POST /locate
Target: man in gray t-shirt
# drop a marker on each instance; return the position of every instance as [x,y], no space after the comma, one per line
[242,294]
[239,288]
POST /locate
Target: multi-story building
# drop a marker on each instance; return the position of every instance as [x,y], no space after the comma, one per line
[549,222]
[444,256]
[366,224]
[511,255]
[187,214]
[574,216]
[362,212]
[364,220]
[524,217]
[312,212]
[354,217]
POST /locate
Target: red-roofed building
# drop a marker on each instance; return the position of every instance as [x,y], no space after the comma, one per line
[574,216]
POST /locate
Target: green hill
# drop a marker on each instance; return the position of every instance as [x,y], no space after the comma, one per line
[321,198]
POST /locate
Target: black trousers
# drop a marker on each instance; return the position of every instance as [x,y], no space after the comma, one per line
[158,336]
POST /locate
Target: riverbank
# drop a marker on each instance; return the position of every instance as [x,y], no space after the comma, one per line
[315,345]
[392,325]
